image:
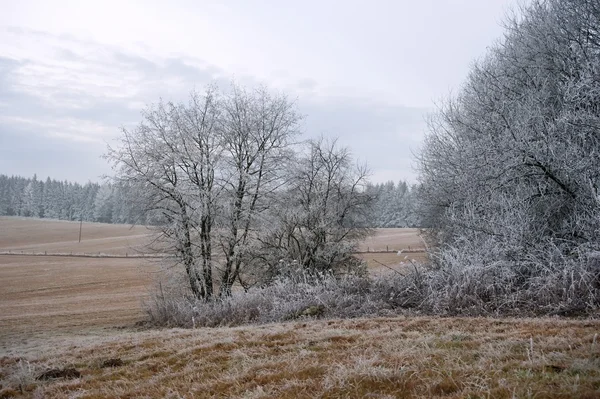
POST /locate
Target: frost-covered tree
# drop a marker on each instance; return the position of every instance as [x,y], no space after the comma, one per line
[257,130]
[319,217]
[205,170]
[30,207]
[103,204]
[510,168]
[164,160]
[394,205]
[30,197]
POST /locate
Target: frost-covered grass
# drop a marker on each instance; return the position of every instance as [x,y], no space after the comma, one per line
[402,357]
[283,300]
[457,286]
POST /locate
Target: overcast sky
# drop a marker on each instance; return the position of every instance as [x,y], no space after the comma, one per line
[368,72]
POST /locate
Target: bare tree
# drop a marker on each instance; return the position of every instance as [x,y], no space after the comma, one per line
[206,170]
[322,212]
[258,132]
[170,158]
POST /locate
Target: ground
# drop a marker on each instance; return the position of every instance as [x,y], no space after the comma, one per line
[81,313]
[401,357]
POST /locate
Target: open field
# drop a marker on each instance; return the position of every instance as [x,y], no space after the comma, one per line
[406,240]
[394,240]
[381,262]
[42,295]
[54,236]
[376,358]
[58,312]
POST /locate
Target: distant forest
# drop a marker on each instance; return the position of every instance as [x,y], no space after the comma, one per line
[395,204]
[63,200]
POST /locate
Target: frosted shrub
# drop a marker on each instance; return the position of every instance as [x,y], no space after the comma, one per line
[285,299]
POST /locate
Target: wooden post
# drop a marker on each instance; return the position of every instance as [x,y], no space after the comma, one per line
[80,226]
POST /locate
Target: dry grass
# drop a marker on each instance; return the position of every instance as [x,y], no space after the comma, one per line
[378,358]
[79,313]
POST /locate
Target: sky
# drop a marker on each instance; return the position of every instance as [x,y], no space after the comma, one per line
[72,73]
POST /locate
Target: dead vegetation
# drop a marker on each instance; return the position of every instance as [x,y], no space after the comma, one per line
[381,358]
[76,314]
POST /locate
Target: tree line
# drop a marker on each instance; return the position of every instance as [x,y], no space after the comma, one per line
[64,200]
[394,204]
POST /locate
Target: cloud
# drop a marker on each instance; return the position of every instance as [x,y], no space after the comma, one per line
[385,136]
[57,109]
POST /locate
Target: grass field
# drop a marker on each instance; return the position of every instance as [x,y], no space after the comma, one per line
[58,312]
[362,358]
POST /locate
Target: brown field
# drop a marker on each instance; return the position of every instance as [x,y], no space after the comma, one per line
[408,241]
[53,236]
[58,312]
[41,295]
[46,294]
[394,240]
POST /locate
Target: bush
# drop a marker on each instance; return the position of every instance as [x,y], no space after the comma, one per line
[286,298]
[460,283]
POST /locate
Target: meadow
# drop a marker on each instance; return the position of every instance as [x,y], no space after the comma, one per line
[80,313]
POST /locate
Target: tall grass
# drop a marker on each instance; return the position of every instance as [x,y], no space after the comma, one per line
[286,298]
[456,283]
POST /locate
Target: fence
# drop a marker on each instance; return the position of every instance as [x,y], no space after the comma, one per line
[85,255]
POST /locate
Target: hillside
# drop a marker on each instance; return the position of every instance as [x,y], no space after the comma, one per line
[402,357]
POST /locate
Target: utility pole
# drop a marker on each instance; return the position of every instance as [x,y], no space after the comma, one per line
[80,226]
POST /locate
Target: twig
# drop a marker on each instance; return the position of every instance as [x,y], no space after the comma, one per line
[389,267]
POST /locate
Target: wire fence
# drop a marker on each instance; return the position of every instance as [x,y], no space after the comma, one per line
[165,255]
[85,255]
